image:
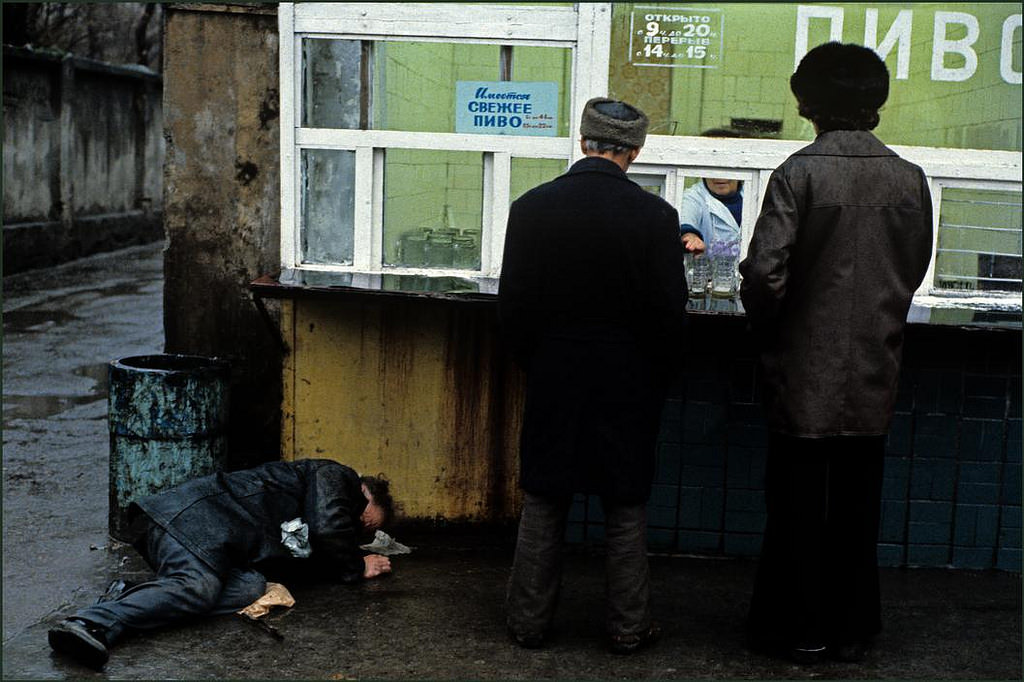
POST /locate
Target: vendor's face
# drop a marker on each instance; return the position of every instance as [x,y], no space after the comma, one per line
[722,186]
[373,516]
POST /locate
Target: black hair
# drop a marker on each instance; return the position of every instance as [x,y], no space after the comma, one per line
[380,491]
[841,86]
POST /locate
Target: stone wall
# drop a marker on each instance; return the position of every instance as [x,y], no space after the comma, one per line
[83,152]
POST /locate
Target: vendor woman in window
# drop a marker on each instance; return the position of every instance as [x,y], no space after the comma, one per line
[712,211]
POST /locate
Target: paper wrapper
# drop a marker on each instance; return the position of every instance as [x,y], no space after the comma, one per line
[276,595]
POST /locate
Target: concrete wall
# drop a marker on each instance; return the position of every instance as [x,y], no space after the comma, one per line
[222,205]
[83,153]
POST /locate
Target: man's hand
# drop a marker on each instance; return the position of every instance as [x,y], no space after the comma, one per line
[692,243]
[375,565]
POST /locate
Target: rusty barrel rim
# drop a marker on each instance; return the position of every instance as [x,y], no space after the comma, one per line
[169,363]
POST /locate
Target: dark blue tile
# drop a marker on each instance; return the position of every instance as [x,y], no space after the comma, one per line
[901,433]
[976,525]
[977,493]
[979,472]
[928,555]
[703,455]
[595,532]
[977,558]
[574,533]
[1009,537]
[668,464]
[1013,439]
[748,436]
[1011,516]
[895,484]
[661,540]
[890,555]
[932,479]
[1011,483]
[1015,390]
[745,500]
[750,415]
[742,544]
[712,509]
[578,511]
[689,507]
[1009,560]
[935,437]
[931,512]
[893,525]
[929,533]
[664,496]
[988,408]
[661,517]
[746,468]
[693,418]
[595,512]
[703,476]
[744,522]
[981,385]
[981,440]
[699,542]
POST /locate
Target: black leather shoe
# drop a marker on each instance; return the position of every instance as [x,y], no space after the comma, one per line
[629,644]
[527,640]
[808,655]
[81,640]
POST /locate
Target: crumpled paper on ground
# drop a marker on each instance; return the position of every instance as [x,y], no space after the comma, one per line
[386,545]
[275,595]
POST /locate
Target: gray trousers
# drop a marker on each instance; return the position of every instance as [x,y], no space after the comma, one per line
[183,587]
[537,568]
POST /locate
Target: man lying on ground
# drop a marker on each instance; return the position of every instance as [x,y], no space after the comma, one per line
[213,540]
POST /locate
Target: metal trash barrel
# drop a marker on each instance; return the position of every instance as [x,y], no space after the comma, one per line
[168,423]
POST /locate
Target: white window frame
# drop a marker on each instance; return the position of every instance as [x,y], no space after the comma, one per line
[584,29]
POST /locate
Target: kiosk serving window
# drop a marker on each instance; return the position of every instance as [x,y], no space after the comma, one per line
[408,129]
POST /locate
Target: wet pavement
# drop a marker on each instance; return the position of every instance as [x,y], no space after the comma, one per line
[439,616]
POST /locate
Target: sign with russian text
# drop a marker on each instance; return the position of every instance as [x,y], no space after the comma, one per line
[506,108]
[680,37]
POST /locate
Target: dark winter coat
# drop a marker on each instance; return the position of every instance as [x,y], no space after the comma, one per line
[592,302]
[234,519]
[843,240]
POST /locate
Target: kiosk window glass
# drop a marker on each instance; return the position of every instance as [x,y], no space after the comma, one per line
[328,205]
[528,173]
[979,241]
[433,208]
[955,68]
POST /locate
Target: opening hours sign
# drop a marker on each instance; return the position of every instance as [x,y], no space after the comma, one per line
[681,37]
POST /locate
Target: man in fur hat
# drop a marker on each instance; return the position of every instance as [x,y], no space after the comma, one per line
[592,302]
[843,240]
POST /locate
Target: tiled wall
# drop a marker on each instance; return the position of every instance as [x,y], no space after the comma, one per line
[952,489]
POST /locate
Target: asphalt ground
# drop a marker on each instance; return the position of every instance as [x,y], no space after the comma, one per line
[439,616]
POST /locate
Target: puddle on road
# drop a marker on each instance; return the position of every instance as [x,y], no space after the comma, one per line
[26,320]
[43,406]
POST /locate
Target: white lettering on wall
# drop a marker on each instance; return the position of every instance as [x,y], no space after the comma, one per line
[944,46]
[804,14]
[899,33]
[1010,26]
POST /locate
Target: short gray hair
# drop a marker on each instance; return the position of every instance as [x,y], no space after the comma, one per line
[602,147]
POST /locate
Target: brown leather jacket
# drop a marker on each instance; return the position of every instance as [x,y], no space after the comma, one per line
[843,241]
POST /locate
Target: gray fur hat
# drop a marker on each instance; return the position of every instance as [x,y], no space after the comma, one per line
[609,120]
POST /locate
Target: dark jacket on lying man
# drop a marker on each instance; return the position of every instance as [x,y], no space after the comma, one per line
[212,542]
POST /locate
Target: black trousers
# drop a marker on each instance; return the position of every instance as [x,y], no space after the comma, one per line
[537,568]
[184,587]
[817,578]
